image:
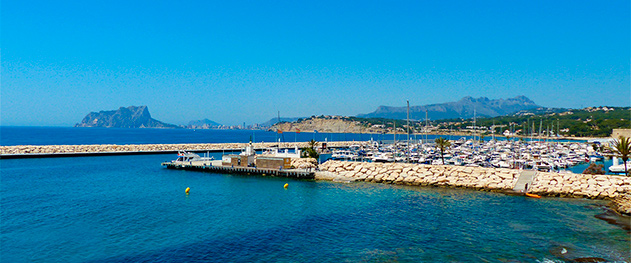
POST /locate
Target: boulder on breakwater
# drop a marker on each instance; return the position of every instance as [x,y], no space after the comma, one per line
[622,204]
[304,163]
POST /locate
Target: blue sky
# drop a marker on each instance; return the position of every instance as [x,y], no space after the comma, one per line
[242,61]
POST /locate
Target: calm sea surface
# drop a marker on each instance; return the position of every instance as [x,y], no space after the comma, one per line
[10,135]
[129,209]
[70,136]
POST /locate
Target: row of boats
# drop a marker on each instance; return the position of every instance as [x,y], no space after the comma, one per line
[542,156]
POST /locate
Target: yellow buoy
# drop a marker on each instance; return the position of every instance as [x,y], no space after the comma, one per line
[187,189]
[286,185]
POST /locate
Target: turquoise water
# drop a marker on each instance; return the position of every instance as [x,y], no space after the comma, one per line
[129,209]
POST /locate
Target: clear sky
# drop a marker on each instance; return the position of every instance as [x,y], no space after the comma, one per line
[242,61]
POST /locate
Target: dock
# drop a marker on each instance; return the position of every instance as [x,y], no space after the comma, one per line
[216,167]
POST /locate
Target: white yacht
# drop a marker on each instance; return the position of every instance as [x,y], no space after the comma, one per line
[187,157]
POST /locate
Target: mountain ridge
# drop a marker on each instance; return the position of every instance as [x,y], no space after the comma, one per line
[463,108]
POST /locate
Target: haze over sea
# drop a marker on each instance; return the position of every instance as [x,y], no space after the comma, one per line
[129,209]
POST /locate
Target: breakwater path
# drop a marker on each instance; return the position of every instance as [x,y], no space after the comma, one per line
[36,151]
[617,188]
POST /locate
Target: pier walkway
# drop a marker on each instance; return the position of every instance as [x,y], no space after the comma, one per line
[524,180]
[216,167]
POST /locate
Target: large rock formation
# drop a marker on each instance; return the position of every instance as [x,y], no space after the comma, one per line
[202,124]
[463,108]
[130,117]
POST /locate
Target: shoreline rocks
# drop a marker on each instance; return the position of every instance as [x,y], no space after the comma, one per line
[622,204]
[609,187]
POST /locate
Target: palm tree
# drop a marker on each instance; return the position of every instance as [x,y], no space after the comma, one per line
[312,144]
[621,148]
[310,151]
[442,145]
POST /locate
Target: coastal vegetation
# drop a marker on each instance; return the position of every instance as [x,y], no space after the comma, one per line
[442,145]
[540,122]
[595,168]
[310,151]
[622,148]
[587,122]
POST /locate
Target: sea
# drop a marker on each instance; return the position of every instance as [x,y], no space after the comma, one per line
[130,209]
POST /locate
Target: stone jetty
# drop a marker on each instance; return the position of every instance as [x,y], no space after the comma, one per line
[610,187]
[147,148]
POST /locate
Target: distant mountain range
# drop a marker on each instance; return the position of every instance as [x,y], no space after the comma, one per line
[130,117]
[202,124]
[463,108]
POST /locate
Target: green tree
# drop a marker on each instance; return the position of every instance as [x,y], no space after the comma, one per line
[310,150]
[621,148]
[442,145]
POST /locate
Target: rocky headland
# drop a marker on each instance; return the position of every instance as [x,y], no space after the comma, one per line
[130,117]
[328,124]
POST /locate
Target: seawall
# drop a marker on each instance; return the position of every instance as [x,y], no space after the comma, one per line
[30,151]
[611,187]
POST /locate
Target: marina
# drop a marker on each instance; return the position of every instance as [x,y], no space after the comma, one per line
[513,154]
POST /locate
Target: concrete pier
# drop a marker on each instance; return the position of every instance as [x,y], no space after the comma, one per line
[218,168]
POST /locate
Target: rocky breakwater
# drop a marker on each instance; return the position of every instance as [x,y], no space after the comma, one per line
[424,175]
[304,163]
[608,187]
[112,148]
[581,185]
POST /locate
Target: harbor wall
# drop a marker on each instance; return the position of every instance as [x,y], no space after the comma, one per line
[489,179]
[34,150]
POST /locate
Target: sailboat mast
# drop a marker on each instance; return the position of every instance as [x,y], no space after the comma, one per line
[540,124]
[426,122]
[408,120]
[394,125]
[493,131]
[408,144]
[474,129]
